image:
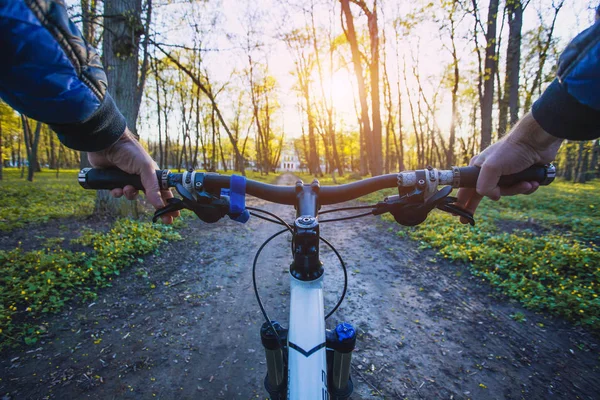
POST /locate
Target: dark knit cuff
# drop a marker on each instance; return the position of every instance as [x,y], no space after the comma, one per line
[99,131]
[562,116]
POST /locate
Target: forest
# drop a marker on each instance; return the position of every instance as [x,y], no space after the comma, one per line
[345,86]
[98,302]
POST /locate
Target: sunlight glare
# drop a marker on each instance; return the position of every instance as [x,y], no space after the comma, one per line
[341,86]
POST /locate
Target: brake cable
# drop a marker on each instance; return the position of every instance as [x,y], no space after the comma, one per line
[260,304]
[265,218]
[255,263]
[346,218]
[279,221]
[347,209]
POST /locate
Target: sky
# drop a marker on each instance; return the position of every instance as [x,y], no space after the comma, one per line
[225,23]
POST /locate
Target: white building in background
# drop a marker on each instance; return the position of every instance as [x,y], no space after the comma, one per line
[289,159]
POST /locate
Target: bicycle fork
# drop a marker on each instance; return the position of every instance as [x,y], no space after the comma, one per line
[340,342]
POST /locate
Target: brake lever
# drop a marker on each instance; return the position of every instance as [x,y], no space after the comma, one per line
[451,207]
[410,213]
[173,204]
[208,208]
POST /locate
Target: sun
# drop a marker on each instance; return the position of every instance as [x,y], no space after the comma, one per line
[339,87]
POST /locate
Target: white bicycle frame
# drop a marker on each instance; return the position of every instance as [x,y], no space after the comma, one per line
[307,364]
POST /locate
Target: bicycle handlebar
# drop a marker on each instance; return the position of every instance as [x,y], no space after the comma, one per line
[91,178]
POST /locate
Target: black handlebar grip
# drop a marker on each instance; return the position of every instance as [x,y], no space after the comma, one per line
[110,178]
[544,174]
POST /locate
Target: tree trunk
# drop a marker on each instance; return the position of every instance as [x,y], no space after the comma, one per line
[32,141]
[489,72]
[567,169]
[122,31]
[450,160]
[154,65]
[362,92]
[399,143]
[510,99]
[582,161]
[213,157]
[53,156]
[88,21]
[88,17]
[1,152]
[594,167]
[313,159]
[120,47]
[377,165]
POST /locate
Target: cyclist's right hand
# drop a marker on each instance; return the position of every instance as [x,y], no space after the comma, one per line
[526,145]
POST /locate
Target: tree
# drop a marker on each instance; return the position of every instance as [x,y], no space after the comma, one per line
[449,150]
[299,43]
[510,99]
[542,40]
[326,123]
[206,89]
[1,149]
[373,137]
[123,28]
[32,140]
[88,21]
[489,72]
[365,122]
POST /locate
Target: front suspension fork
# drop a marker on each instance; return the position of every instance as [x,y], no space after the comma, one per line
[340,342]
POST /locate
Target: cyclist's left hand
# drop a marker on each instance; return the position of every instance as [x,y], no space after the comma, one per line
[128,155]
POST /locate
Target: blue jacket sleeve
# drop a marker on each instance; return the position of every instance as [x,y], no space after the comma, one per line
[52,75]
[570,107]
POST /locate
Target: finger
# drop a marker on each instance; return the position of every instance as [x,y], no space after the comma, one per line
[534,186]
[167,194]
[130,192]
[116,193]
[473,203]
[519,188]
[487,182]
[151,188]
[167,219]
[463,196]
[468,199]
[464,221]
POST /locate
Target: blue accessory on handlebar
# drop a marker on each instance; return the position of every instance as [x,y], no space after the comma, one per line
[237,199]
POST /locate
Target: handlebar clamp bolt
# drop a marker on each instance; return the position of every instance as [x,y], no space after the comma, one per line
[306,222]
[315,185]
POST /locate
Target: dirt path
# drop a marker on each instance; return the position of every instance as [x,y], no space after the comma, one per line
[426,328]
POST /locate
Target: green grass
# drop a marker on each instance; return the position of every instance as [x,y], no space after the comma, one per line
[40,282]
[551,262]
[46,198]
